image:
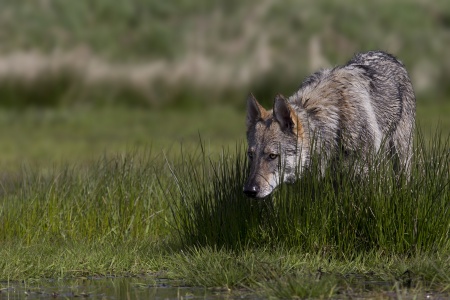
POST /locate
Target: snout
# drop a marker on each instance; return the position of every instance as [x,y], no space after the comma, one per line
[251,190]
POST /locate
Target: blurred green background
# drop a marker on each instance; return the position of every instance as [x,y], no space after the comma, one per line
[81,79]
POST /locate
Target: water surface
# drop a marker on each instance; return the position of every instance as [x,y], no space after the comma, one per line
[108,288]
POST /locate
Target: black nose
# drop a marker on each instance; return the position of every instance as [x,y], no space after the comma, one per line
[251,190]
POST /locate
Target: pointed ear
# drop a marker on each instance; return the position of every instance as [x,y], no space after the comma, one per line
[255,112]
[285,115]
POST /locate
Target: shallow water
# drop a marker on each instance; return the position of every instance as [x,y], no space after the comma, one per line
[147,287]
[108,288]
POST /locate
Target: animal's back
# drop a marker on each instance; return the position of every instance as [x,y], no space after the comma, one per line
[391,92]
[365,104]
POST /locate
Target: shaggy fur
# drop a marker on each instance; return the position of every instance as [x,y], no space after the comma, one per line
[366,106]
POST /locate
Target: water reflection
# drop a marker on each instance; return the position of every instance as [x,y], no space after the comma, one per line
[107,288]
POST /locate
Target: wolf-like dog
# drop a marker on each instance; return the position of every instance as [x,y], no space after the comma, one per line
[366,106]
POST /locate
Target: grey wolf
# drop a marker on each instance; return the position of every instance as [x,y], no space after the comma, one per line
[366,106]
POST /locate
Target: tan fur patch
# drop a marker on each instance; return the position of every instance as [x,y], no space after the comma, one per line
[263,112]
[297,123]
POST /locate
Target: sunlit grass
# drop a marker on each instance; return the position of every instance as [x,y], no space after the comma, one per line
[116,200]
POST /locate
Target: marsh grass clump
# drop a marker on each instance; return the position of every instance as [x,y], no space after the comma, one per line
[205,212]
[303,286]
[339,214]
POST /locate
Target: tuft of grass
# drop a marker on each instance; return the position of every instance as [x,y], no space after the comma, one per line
[207,214]
[338,214]
[303,286]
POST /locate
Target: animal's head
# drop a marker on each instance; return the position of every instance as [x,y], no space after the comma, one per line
[275,146]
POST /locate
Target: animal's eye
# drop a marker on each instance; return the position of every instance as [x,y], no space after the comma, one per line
[273,156]
[250,154]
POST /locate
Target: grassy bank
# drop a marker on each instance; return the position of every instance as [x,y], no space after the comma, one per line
[186,218]
[279,273]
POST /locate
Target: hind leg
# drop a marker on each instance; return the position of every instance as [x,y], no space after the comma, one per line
[402,137]
[402,146]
